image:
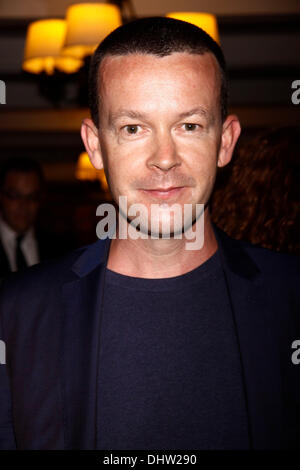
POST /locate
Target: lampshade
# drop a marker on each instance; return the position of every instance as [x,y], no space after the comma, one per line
[205,21]
[43,45]
[86,171]
[87,25]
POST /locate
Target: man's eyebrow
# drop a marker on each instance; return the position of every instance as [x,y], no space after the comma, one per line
[199,110]
[125,113]
[138,115]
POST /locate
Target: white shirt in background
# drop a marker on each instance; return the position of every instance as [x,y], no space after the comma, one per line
[28,245]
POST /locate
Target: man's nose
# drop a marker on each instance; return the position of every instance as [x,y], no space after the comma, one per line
[164,152]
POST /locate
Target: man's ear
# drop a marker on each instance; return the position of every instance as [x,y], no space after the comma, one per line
[90,137]
[230,134]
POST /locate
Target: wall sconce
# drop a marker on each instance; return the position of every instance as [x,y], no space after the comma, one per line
[87,25]
[205,21]
[44,41]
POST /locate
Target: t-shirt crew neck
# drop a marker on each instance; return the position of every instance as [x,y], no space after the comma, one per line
[206,269]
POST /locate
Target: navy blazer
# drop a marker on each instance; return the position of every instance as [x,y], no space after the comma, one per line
[51,321]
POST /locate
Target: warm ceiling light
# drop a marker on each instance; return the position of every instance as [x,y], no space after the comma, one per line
[205,21]
[87,25]
[43,45]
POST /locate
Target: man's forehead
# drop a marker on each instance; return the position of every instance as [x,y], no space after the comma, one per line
[116,65]
[194,77]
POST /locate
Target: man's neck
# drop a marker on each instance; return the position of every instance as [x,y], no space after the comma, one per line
[160,258]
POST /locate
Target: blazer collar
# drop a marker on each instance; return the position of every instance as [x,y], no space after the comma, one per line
[82,298]
[93,256]
[234,256]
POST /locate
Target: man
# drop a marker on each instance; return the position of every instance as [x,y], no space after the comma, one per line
[20,183]
[137,342]
[21,187]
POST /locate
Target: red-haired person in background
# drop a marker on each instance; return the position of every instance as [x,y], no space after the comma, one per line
[257,197]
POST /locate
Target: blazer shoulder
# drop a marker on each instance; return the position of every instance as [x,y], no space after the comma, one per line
[273,262]
[22,292]
[37,289]
[44,273]
[268,262]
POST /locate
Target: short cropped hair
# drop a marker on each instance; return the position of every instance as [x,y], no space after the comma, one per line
[21,165]
[159,36]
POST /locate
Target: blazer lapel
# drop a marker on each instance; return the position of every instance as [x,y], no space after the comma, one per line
[259,350]
[82,295]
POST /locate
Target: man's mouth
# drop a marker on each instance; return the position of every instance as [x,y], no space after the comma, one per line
[164,193]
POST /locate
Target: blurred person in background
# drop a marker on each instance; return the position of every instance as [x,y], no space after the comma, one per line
[256,198]
[21,192]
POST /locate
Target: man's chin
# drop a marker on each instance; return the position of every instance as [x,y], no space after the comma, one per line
[152,231]
[161,221]
[156,229]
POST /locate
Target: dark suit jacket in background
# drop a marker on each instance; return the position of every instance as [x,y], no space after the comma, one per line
[50,321]
[50,246]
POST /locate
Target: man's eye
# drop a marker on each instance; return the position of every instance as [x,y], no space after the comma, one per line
[190,127]
[132,129]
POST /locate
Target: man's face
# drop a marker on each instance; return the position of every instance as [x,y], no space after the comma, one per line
[160,127]
[20,198]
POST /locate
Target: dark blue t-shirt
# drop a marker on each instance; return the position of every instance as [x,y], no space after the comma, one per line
[170,371]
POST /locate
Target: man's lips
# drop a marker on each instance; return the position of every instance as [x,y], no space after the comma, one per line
[164,193]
